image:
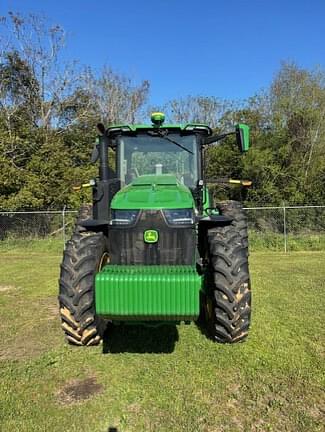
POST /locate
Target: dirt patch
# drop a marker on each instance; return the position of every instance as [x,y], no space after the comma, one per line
[50,306]
[317,411]
[20,351]
[4,288]
[34,329]
[79,390]
[29,344]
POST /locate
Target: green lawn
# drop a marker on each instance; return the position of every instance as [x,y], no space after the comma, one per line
[165,379]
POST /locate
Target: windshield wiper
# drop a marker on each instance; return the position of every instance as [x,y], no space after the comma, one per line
[163,134]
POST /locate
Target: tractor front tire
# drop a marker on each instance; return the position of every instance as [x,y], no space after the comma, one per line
[84,256]
[228,300]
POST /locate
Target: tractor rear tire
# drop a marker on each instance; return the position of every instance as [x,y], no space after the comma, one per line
[228,300]
[234,210]
[85,254]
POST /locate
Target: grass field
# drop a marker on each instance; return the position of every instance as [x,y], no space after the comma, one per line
[166,379]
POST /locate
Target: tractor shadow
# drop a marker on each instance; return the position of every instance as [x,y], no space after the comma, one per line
[202,326]
[201,323]
[139,339]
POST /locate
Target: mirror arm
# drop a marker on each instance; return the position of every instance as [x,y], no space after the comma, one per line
[215,138]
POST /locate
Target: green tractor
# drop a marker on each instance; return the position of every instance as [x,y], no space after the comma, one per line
[152,248]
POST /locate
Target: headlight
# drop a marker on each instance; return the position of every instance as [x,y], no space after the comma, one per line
[179,216]
[124,217]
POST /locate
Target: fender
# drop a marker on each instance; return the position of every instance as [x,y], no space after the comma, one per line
[214,220]
[204,224]
[95,225]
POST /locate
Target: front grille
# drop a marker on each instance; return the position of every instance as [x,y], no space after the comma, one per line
[176,245]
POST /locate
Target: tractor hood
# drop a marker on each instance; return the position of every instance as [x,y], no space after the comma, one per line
[153,192]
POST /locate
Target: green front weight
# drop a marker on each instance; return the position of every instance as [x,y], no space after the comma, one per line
[148,292]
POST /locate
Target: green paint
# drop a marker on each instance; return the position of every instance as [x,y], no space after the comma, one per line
[207,204]
[153,192]
[148,292]
[206,199]
[150,236]
[158,118]
[156,179]
[170,126]
[244,131]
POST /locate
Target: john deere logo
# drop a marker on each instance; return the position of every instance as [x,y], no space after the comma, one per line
[151,236]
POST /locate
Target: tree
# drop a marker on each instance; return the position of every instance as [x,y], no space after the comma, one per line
[298,104]
[48,113]
[198,109]
[34,47]
[113,97]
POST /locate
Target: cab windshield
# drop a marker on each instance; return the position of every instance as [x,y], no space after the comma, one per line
[145,154]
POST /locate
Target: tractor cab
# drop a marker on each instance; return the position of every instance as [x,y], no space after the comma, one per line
[158,149]
[155,150]
[149,153]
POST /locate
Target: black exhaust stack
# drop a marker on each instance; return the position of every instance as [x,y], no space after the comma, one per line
[103,158]
[101,194]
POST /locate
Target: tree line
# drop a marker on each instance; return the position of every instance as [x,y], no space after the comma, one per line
[49,108]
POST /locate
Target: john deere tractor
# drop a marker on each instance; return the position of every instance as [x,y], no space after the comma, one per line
[152,248]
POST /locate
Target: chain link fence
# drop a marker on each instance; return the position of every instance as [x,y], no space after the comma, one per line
[37,225]
[285,228]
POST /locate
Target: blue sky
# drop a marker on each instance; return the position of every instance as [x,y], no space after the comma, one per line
[223,48]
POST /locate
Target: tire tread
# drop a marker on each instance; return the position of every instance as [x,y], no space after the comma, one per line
[230,294]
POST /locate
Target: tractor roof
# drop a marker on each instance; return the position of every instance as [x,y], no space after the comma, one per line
[188,127]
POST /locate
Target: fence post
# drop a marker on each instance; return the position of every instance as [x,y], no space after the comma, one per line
[63,225]
[285,228]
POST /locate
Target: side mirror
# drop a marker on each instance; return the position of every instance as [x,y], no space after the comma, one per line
[242,137]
